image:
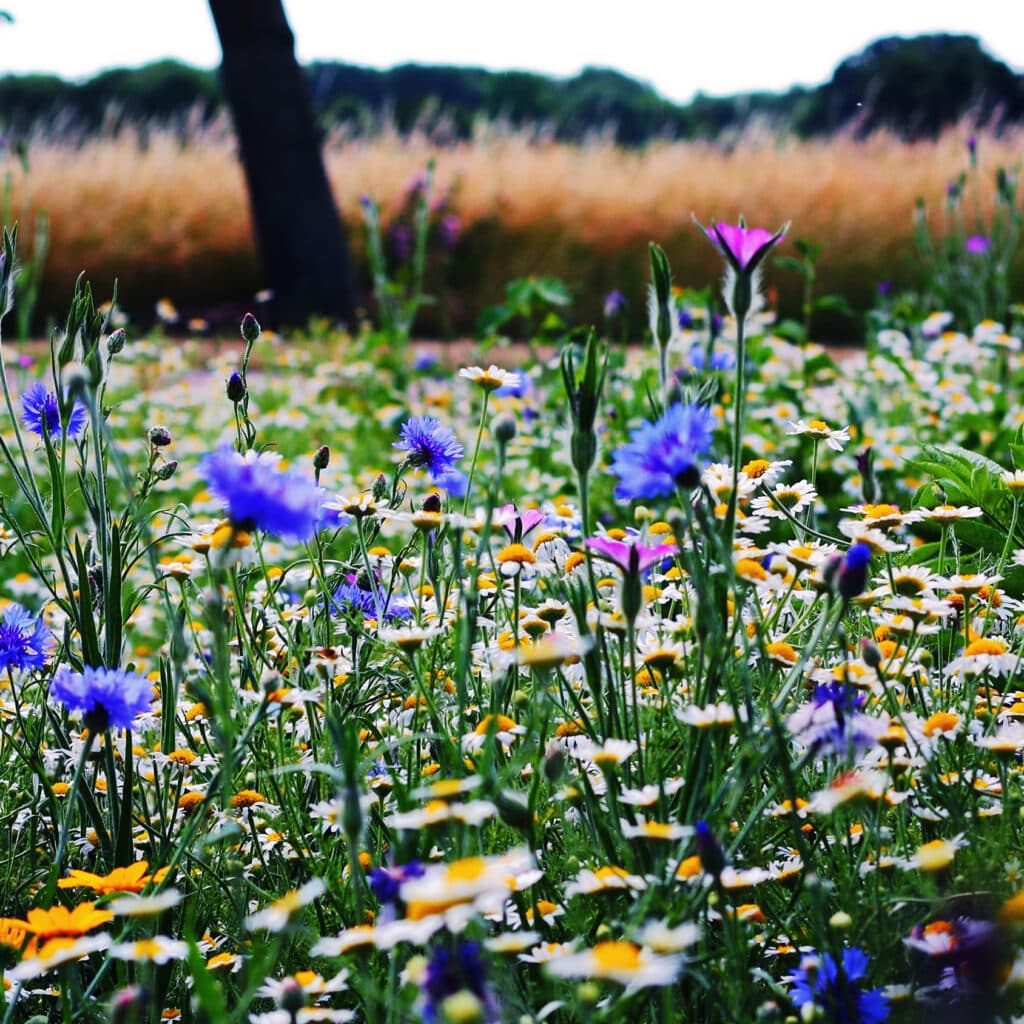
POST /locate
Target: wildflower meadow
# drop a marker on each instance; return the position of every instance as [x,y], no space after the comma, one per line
[604,679]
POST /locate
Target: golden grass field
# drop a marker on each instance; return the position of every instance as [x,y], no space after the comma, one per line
[168,216]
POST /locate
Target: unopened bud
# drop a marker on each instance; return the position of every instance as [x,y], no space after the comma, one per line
[115,343]
[870,653]
[321,458]
[159,437]
[853,572]
[250,328]
[841,921]
[554,761]
[709,850]
[167,470]
[432,503]
[235,387]
[291,997]
[504,429]
[380,487]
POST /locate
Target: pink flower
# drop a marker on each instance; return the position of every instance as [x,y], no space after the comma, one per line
[743,247]
[630,557]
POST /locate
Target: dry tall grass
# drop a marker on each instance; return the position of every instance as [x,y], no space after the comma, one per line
[168,215]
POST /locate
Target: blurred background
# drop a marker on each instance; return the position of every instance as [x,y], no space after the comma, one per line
[175,147]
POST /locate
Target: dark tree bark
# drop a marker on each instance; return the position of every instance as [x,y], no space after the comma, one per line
[301,240]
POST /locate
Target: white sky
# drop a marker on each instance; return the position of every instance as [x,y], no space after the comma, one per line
[680,46]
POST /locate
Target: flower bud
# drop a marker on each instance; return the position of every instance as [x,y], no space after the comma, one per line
[250,328]
[504,430]
[159,437]
[840,921]
[380,487]
[167,470]
[853,572]
[291,997]
[115,343]
[870,653]
[321,458]
[432,503]
[712,856]
[235,387]
[554,761]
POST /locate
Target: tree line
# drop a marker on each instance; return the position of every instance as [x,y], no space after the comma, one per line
[914,86]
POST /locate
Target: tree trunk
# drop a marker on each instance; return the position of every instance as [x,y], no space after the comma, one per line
[301,239]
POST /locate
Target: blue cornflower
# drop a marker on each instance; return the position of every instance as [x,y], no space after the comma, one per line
[429,445]
[385,882]
[24,640]
[260,496]
[853,570]
[453,971]
[663,455]
[836,991]
[41,414]
[833,723]
[106,697]
[350,597]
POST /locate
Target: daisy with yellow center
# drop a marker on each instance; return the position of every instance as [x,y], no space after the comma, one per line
[490,379]
[623,962]
[819,430]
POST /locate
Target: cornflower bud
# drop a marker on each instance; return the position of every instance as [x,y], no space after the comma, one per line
[235,387]
[853,571]
[321,458]
[115,343]
[251,329]
[167,470]
[159,437]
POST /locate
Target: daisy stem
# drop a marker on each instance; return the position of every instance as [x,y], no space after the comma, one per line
[369,572]
[65,828]
[476,453]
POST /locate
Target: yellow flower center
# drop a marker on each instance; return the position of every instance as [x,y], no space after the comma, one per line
[616,956]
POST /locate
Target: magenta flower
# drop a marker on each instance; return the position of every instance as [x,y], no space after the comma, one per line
[977,245]
[630,557]
[744,248]
[518,524]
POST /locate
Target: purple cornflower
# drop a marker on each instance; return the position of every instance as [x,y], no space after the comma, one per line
[835,990]
[614,303]
[663,455]
[106,697]
[24,640]
[260,496]
[709,850]
[630,557]
[41,414]
[430,445]
[832,723]
[743,248]
[977,245]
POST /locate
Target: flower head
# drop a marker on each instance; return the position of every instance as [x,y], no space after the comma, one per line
[836,990]
[41,414]
[106,697]
[744,248]
[977,245]
[24,641]
[430,445]
[261,496]
[662,455]
[635,557]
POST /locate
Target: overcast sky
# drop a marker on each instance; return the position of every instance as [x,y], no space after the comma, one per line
[680,46]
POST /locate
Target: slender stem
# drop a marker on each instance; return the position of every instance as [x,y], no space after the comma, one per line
[476,453]
[737,431]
